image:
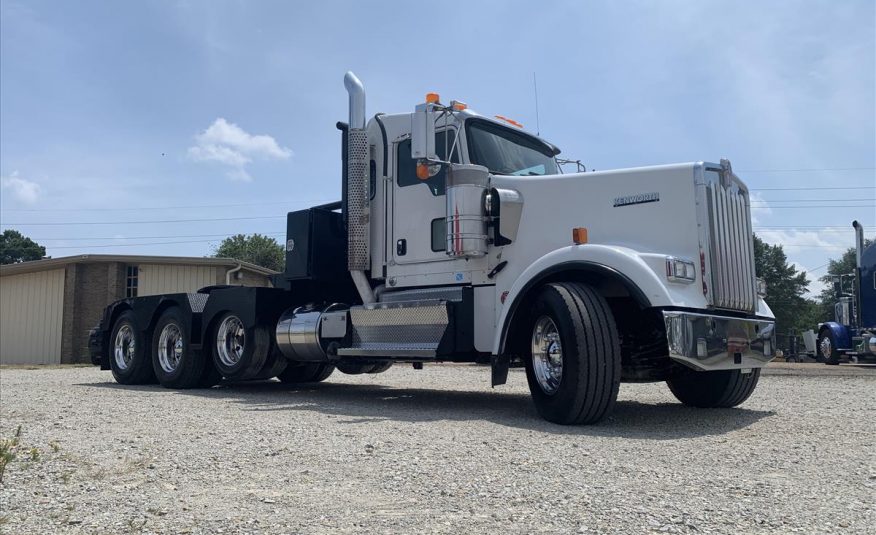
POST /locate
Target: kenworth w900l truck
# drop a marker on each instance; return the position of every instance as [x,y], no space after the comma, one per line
[459,239]
[853,333]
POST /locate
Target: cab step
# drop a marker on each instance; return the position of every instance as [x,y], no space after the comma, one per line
[398,329]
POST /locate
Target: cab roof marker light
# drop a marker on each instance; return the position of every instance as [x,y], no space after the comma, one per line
[509,121]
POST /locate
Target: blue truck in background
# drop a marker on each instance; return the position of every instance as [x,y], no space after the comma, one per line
[852,334]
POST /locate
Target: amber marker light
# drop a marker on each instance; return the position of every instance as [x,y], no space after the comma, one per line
[423,171]
[432,98]
[579,235]
[509,121]
[458,106]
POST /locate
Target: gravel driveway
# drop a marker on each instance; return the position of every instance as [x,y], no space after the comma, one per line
[434,450]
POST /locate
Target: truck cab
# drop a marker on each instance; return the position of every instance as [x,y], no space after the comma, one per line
[459,238]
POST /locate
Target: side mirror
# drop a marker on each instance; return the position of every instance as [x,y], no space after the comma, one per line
[423,133]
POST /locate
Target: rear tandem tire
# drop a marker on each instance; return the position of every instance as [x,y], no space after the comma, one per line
[356,369]
[717,389]
[241,353]
[380,368]
[312,372]
[575,372]
[176,364]
[129,352]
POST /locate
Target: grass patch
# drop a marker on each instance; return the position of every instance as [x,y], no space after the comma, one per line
[8,450]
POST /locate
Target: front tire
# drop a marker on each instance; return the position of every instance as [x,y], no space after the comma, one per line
[176,364]
[573,363]
[826,346]
[129,352]
[718,389]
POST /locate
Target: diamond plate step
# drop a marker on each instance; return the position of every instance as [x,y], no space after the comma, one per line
[400,329]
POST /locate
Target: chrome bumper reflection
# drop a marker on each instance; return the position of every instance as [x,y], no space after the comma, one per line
[706,342]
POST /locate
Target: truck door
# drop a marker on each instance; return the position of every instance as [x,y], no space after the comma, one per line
[418,207]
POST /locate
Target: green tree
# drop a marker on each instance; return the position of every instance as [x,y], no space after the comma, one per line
[844,265]
[257,249]
[785,288]
[15,248]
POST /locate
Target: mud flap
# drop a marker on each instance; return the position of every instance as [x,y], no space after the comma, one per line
[499,365]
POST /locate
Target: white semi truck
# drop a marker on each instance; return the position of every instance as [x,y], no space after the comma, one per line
[459,239]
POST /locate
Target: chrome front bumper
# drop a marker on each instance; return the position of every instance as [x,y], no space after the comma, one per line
[707,342]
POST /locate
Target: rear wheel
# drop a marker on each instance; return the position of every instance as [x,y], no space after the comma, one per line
[274,366]
[129,352]
[313,372]
[356,369]
[723,388]
[380,368]
[827,352]
[573,360]
[238,352]
[176,364]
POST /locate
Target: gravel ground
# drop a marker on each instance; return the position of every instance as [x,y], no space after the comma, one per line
[433,451]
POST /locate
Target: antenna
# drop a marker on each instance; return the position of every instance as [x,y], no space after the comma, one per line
[535,90]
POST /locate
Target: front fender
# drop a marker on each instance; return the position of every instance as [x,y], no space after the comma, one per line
[840,332]
[648,288]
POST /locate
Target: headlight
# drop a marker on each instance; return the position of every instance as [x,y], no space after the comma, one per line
[678,270]
[761,287]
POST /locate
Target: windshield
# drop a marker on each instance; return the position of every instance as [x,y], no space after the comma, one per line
[506,152]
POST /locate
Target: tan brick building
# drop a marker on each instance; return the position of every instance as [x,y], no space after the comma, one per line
[48,306]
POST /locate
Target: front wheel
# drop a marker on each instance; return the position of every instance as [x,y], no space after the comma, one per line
[723,388]
[827,352]
[573,362]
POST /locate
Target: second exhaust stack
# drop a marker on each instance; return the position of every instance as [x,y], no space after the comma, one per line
[358,222]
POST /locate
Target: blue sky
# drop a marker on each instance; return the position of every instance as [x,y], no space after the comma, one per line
[160,111]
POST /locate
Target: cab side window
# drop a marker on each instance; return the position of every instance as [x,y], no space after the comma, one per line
[406,166]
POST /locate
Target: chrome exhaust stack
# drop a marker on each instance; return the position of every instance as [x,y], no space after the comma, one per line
[859,243]
[358,221]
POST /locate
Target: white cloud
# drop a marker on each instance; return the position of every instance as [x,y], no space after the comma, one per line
[814,246]
[24,190]
[759,208]
[815,285]
[791,239]
[230,145]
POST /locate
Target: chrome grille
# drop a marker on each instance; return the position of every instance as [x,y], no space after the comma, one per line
[731,247]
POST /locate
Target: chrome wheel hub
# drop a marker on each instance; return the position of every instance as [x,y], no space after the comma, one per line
[124,347]
[825,347]
[170,347]
[547,355]
[230,341]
